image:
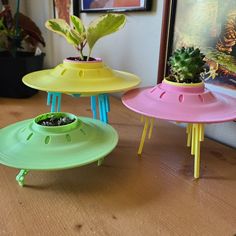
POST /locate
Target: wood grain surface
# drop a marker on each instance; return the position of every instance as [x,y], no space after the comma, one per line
[127,195]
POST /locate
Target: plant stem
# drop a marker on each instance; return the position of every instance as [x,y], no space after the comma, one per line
[89,55]
[81,54]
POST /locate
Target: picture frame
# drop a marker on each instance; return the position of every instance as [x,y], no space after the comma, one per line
[205,24]
[114,5]
[64,8]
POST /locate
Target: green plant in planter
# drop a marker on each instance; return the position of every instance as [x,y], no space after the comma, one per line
[186,65]
[17,32]
[79,36]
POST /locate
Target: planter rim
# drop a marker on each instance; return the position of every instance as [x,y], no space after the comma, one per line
[56,129]
[97,59]
[183,84]
[183,87]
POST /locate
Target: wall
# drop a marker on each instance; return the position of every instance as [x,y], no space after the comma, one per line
[135,49]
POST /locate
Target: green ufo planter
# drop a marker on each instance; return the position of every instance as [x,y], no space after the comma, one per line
[28,145]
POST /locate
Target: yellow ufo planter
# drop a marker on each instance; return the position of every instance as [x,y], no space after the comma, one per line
[79,77]
[82,78]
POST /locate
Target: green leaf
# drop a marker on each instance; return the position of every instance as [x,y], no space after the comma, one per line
[104,25]
[77,23]
[60,27]
[73,37]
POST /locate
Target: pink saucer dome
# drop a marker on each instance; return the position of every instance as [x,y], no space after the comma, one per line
[190,103]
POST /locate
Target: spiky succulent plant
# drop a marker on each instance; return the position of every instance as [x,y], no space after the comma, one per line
[186,65]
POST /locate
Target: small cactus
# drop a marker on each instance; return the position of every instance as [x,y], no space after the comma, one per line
[186,65]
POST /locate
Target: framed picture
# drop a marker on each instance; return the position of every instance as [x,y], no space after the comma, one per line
[211,26]
[64,8]
[114,5]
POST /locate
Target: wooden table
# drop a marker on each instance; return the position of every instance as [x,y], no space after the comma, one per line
[127,195]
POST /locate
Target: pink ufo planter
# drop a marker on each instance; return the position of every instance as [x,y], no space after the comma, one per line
[188,103]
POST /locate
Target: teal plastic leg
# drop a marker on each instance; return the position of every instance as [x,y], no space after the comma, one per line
[54,99]
[100,107]
[100,161]
[94,106]
[107,100]
[104,107]
[20,178]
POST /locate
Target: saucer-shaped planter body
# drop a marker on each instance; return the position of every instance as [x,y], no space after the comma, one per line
[28,145]
[92,77]
[181,102]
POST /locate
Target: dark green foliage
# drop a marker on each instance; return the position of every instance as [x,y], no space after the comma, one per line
[186,65]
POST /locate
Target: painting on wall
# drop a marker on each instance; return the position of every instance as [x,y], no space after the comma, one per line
[114,5]
[211,26]
[64,8]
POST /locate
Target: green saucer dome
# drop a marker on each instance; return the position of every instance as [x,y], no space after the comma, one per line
[28,145]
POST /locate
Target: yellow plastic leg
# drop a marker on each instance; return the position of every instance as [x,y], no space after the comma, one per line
[202,132]
[141,118]
[145,128]
[195,136]
[197,151]
[151,127]
[189,134]
[193,139]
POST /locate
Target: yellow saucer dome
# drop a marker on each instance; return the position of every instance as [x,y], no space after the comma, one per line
[79,77]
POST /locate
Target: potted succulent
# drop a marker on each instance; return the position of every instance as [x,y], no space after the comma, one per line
[186,66]
[19,38]
[55,119]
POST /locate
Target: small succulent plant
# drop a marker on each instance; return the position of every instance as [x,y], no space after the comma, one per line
[56,121]
[79,36]
[186,65]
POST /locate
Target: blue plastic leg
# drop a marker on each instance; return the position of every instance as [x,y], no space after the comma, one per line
[59,102]
[54,99]
[104,110]
[94,106]
[103,107]
[100,107]
[107,102]
[49,98]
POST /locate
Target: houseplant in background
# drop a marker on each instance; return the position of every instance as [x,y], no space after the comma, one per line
[19,39]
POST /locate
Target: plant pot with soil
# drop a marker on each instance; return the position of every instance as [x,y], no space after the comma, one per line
[19,38]
[55,119]
[186,76]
